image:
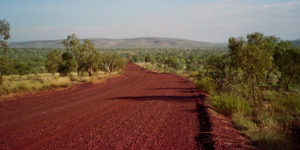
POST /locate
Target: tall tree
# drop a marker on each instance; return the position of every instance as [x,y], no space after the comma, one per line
[287,60]
[4,34]
[253,57]
[85,54]
[88,56]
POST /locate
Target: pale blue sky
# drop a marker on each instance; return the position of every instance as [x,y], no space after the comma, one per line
[207,20]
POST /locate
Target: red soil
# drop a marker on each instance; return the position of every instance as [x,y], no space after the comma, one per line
[139,110]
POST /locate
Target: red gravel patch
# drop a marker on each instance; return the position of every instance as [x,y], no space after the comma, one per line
[139,110]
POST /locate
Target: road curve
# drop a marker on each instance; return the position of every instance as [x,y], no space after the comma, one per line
[138,110]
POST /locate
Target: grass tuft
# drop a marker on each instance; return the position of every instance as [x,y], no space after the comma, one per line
[229,104]
[206,85]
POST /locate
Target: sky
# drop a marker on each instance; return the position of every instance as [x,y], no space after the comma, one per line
[201,20]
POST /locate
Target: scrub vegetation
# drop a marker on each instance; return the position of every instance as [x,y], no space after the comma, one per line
[255,83]
[35,69]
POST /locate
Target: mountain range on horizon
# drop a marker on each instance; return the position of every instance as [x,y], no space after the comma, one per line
[142,42]
[296,43]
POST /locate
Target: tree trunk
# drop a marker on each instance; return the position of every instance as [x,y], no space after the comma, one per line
[287,83]
[108,69]
[90,72]
[78,70]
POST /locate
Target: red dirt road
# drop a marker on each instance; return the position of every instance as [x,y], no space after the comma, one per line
[139,110]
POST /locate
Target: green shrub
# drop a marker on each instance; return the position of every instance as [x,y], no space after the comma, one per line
[269,94]
[206,85]
[229,104]
[193,74]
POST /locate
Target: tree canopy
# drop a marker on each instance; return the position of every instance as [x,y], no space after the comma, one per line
[4,34]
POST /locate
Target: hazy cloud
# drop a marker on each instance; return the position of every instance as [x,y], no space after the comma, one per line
[213,21]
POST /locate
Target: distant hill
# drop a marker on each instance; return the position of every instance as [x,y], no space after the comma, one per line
[145,42]
[296,43]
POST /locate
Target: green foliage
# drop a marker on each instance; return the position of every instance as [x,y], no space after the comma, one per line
[134,59]
[72,44]
[85,54]
[111,62]
[150,58]
[53,61]
[22,67]
[172,63]
[216,67]
[287,60]
[269,95]
[230,104]
[206,85]
[89,58]
[256,63]
[68,64]
[22,61]
[253,58]
[7,66]
[4,34]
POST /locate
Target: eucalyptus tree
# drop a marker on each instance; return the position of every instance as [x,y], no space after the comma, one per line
[85,54]
[4,35]
[111,62]
[287,61]
[251,58]
[216,67]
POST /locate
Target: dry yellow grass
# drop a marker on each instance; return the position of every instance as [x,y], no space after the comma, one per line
[149,66]
[154,68]
[16,84]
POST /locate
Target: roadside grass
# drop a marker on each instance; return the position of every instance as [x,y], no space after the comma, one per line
[269,126]
[205,84]
[229,104]
[159,68]
[150,66]
[18,84]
